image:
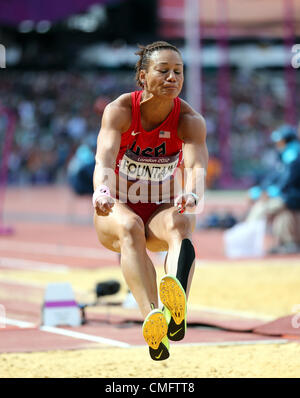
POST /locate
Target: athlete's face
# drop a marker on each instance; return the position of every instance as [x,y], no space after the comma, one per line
[164,76]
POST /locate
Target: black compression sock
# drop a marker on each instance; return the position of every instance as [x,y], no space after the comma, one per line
[185,261]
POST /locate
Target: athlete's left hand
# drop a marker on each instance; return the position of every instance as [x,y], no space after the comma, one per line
[186,201]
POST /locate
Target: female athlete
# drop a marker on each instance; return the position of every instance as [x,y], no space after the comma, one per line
[143,140]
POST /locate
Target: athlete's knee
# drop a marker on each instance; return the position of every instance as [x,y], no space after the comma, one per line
[132,228]
[179,224]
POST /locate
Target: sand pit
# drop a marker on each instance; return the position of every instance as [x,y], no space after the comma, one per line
[257,361]
[267,289]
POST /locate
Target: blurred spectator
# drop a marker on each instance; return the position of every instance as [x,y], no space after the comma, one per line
[278,197]
[214,169]
[56,113]
[81,170]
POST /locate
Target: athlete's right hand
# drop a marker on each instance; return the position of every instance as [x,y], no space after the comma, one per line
[104,205]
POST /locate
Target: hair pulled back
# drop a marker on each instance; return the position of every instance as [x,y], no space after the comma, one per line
[145,53]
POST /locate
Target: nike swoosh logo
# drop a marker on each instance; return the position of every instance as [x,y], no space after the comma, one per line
[173,334]
[159,354]
[134,133]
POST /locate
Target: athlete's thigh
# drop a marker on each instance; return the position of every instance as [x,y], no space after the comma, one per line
[158,227]
[109,227]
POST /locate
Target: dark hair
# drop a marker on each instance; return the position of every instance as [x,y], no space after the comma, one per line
[145,53]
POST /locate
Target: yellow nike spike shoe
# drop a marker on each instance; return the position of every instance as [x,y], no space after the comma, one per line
[155,329]
[173,297]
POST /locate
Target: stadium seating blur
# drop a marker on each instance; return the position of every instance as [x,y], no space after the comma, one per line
[56,115]
[63,69]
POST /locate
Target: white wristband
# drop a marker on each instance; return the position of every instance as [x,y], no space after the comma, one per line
[102,190]
[195,196]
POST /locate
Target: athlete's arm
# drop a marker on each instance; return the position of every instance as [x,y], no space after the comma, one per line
[192,130]
[116,118]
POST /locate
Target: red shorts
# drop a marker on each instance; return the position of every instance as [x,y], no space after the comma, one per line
[144,210]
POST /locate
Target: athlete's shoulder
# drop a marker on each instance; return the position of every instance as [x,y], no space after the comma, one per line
[118,112]
[190,120]
[187,112]
[122,102]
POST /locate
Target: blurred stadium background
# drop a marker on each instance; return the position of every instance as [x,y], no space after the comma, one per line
[61,62]
[62,58]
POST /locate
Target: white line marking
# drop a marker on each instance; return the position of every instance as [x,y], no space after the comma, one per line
[2,316]
[116,343]
[7,262]
[57,250]
[68,333]
[15,322]
[84,336]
